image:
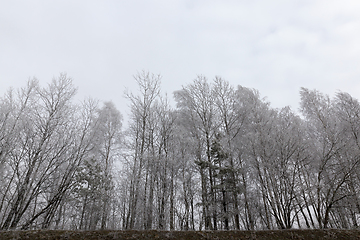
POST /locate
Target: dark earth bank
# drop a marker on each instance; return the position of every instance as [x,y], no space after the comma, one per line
[188,235]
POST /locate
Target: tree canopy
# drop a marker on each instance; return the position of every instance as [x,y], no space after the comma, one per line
[221,159]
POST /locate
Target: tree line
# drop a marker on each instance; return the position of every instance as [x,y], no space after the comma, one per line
[221,159]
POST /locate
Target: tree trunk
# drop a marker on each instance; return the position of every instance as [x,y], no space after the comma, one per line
[172,200]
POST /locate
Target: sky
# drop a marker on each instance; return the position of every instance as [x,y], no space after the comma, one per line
[275,46]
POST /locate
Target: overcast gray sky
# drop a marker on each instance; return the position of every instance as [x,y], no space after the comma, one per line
[274,46]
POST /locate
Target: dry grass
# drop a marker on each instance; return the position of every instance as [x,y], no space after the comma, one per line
[188,235]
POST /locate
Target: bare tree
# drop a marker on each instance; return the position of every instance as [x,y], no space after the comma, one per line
[41,149]
[332,168]
[106,147]
[196,104]
[140,133]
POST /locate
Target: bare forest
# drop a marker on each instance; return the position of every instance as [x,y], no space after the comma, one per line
[220,159]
